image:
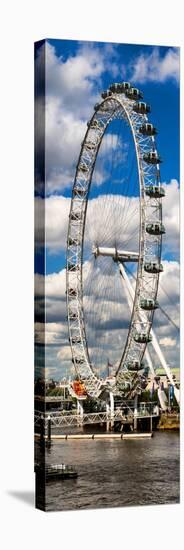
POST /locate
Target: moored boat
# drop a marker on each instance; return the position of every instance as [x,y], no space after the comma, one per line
[55,471]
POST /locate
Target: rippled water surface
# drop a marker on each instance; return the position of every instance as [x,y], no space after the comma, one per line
[116,473]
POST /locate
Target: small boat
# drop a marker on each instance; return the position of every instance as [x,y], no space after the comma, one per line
[55,471]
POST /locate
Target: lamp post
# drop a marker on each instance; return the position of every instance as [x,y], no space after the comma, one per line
[169,401]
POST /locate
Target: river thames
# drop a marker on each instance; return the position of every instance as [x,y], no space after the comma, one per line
[116,473]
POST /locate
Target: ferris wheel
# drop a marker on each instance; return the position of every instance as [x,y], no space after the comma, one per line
[114,243]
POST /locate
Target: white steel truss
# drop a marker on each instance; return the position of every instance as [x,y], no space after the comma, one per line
[154,340]
[61,419]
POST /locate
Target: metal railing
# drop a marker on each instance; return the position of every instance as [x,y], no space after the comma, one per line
[123,414]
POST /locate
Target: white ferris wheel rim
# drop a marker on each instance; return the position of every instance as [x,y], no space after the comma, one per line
[147,175]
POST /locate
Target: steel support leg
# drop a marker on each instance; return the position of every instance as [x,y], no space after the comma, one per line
[130,297]
[154,341]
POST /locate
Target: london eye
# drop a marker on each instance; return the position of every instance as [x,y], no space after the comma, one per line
[114,244]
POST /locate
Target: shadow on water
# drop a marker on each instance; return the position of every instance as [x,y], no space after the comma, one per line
[28,497]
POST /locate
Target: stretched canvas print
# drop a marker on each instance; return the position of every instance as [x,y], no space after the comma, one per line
[106,275]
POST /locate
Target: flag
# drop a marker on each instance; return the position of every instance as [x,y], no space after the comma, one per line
[109,364]
[171,391]
[152,389]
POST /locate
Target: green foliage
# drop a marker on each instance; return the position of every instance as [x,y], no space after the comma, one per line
[54,392]
[146,396]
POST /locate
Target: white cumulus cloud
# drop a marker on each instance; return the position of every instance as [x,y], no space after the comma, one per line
[154,67]
[167,342]
[71,92]
[117,220]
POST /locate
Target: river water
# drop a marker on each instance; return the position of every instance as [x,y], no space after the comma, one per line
[116,473]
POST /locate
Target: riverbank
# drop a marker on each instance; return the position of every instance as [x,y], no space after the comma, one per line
[169,421]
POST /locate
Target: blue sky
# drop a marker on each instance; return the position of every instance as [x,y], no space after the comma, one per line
[76,74]
[163,96]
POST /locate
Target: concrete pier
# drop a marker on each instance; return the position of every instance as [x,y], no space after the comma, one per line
[109,435]
[80,412]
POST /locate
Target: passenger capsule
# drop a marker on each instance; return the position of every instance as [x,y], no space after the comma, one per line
[134,93]
[152,157]
[156,228]
[134,365]
[155,191]
[142,337]
[141,108]
[119,87]
[106,93]
[147,129]
[96,106]
[114,87]
[148,304]
[153,267]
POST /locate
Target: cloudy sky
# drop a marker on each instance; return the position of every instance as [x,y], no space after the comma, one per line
[76,74]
